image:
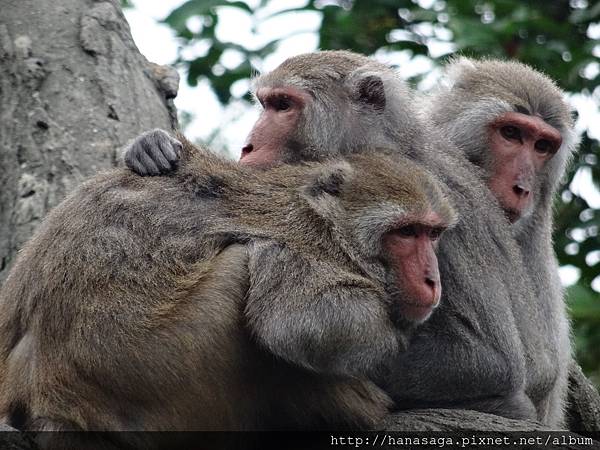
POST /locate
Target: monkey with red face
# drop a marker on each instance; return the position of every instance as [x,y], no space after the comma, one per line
[515,124]
[520,145]
[469,353]
[219,298]
[341,89]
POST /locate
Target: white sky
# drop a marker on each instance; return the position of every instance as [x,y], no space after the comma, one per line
[233,123]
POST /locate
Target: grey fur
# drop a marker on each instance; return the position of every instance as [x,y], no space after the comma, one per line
[474,94]
[152,153]
[469,354]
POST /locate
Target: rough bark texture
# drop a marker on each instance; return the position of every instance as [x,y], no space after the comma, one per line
[73,88]
[583,414]
[455,420]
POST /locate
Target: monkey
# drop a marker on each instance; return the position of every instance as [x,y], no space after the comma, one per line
[469,353]
[221,298]
[514,123]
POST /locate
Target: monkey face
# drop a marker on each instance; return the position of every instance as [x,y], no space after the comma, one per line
[282,108]
[414,274]
[397,213]
[389,214]
[520,146]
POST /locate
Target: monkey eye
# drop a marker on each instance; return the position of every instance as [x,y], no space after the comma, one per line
[544,146]
[280,103]
[511,132]
[407,231]
[435,233]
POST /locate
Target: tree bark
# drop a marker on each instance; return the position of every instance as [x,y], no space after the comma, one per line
[73,88]
[455,420]
[583,412]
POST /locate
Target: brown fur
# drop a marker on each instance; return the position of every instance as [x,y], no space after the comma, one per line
[469,354]
[142,304]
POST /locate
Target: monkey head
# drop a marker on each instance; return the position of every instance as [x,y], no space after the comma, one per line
[392,212]
[513,122]
[324,104]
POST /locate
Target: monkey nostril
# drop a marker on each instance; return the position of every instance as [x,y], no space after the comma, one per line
[430,282]
[247,149]
[520,191]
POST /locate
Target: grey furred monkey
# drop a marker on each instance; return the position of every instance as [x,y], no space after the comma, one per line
[469,354]
[220,298]
[515,124]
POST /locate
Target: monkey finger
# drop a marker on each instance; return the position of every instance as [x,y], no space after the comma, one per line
[130,160]
[178,146]
[149,164]
[169,150]
[153,147]
[161,162]
[137,167]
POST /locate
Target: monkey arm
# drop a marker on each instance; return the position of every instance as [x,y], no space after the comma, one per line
[317,316]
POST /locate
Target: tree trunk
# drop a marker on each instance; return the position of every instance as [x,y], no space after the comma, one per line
[583,412]
[73,88]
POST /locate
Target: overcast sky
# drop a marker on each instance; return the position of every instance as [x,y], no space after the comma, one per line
[157,42]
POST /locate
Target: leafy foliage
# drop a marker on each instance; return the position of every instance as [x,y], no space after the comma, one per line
[560,38]
[208,65]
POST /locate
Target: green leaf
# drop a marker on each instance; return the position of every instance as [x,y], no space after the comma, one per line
[179,16]
[586,14]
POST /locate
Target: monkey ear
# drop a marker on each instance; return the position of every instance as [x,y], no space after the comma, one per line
[368,89]
[329,178]
[326,185]
[457,70]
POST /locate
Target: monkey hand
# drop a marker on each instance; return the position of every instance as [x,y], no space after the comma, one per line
[152,153]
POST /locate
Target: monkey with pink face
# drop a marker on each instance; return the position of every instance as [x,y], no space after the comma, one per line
[219,298]
[515,124]
[470,353]
[501,127]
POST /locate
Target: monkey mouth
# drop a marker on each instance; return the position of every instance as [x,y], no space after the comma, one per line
[417,312]
[512,214]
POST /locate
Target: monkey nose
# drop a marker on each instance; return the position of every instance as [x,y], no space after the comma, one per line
[433,283]
[247,149]
[521,191]
[430,281]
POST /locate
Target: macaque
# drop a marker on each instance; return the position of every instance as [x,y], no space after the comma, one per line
[320,105]
[220,297]
[514,123]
